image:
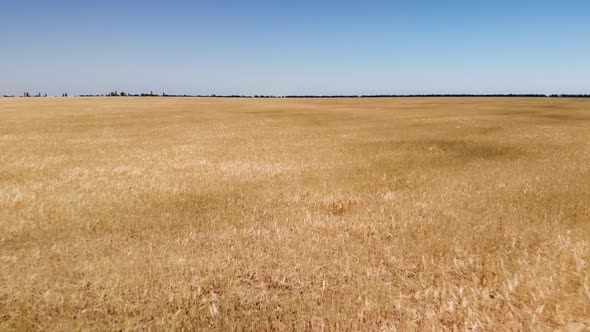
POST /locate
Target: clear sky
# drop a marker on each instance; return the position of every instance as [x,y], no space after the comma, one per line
[295,47]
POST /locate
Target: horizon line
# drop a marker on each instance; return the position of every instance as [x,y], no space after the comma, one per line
[151,94]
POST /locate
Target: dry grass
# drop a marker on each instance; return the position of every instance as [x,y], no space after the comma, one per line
[336,214]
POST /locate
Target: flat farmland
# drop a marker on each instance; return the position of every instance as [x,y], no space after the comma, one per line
[307,214]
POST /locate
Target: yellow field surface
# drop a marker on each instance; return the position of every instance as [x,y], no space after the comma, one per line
[306,214]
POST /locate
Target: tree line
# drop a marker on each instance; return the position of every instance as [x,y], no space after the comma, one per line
[163,94]
[151,94]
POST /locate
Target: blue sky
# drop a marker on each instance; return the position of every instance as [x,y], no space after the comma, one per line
[295,47]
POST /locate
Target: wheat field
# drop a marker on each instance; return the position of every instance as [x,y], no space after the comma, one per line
[295,214]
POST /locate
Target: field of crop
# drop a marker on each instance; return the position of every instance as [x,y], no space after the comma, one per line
[306,214]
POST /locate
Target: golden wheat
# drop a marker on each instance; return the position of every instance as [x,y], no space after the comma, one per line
[305,214]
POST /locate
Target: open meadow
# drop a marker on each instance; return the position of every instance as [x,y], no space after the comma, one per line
[306,214]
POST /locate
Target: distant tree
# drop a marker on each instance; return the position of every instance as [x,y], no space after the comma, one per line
[123,94]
